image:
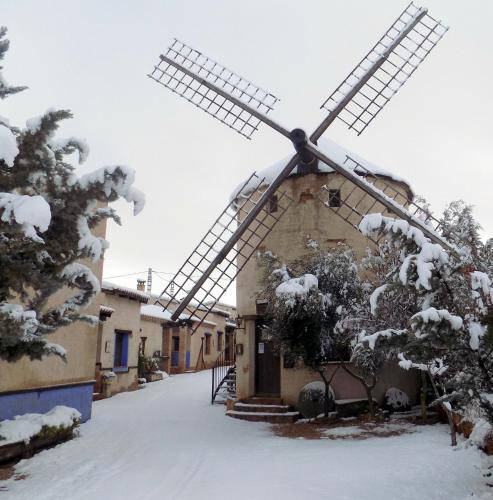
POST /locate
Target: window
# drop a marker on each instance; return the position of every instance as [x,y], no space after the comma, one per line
[121,351]
[334,198]
[207,343]
[273,204]
[219,341]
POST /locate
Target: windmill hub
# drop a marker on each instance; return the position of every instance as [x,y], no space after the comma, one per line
[308,161]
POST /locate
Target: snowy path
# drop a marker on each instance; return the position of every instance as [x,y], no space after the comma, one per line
[166,442]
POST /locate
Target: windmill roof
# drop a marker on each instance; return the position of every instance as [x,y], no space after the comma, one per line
[334,151]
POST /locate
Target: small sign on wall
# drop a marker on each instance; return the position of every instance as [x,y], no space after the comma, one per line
[239,349]
[261,348]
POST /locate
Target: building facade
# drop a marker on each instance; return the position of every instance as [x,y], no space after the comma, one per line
[259,370]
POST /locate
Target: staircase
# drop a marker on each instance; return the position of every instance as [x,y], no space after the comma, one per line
[223,379]
[259,409]
[226,388]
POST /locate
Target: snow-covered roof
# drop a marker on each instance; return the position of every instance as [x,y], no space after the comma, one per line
[106,310]
[124,291]
[332,150]
[155,311]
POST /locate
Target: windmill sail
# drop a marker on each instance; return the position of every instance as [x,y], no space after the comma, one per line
[189,73]
[351,203]
[383,71]
[235,101]
[379,196]
[215,262]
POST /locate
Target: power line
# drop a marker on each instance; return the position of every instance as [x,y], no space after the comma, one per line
[123,275]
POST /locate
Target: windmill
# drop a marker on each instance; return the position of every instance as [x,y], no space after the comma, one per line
[241,105]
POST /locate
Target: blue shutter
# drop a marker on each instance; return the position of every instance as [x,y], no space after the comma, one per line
[124,349]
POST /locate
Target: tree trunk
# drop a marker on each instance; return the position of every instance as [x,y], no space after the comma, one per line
[453,434]
[327,393]
[368,388]
[369,395]
[424,413]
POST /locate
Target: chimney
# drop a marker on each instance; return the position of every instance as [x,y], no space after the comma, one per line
[141,285]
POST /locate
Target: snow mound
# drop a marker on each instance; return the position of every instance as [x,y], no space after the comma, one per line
[25,427]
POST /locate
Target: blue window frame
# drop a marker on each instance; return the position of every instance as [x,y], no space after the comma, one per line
[120,363]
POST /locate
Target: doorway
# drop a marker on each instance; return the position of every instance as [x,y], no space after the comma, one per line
[267,363]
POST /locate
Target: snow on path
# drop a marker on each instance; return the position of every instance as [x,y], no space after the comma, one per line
[167,442]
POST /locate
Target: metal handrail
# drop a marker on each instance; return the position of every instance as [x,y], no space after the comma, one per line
[222,368]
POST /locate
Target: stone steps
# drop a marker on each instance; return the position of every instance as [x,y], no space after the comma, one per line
[252,408]
[263,409]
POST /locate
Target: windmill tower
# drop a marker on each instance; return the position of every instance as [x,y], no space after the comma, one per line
[348,189]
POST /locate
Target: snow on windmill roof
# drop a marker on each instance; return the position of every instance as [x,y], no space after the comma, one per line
[334,151]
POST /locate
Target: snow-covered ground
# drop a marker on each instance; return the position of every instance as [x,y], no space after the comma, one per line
[167,442]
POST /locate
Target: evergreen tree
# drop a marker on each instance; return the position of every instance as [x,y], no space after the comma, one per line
[47,213]
[447,304]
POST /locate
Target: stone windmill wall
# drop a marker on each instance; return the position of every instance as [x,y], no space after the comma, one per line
[307,218]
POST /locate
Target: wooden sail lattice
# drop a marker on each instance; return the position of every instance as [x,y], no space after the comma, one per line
[386,67]
[186,71]
[213,243]
[351,203]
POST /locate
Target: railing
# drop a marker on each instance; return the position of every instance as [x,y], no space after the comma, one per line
[223,371]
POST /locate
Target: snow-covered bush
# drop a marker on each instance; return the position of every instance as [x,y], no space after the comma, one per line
[311,400]
[38,425]
[47,214]
[397,400]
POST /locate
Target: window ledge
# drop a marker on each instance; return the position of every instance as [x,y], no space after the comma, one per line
[120,369]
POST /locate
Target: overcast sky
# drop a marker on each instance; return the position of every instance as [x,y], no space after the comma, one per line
[92,56]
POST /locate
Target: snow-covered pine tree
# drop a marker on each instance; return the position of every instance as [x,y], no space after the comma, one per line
[46,216]
[445,336]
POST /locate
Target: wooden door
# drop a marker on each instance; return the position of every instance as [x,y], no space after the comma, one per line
[267,364]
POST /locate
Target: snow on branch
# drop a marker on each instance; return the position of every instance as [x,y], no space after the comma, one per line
[8,146]
[114,182]
[435,367]
[481,281]
[93,245]
[374,297]
[294,288]
[28,211]
[82,278]
[428,256]
[373,338]
[69,145]
[15,313]
[432,315]
[476,333]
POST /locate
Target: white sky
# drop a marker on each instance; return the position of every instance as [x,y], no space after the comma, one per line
[92,57]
